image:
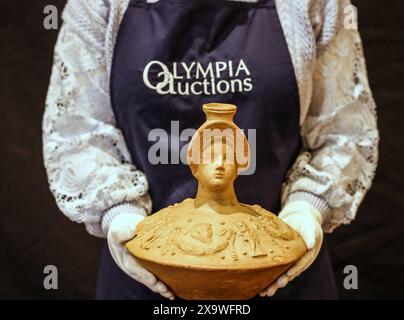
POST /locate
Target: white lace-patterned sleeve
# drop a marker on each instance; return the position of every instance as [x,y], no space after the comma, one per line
[88,165]
[340,134]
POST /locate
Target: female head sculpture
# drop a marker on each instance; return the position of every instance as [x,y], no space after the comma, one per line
[227,249]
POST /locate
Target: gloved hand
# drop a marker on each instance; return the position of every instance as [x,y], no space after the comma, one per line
[307,221]
[122,229]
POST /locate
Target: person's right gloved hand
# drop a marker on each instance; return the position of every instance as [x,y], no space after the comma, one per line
[122,229]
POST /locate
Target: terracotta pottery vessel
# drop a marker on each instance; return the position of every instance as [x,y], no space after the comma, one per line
[214,247]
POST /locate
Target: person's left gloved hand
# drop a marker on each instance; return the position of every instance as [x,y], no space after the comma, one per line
[307,221]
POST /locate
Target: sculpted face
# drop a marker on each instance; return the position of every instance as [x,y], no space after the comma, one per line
[218,169]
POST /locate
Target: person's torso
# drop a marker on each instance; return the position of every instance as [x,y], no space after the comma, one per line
[173,56]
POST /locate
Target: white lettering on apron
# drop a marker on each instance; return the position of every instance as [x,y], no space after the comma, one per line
[195,79]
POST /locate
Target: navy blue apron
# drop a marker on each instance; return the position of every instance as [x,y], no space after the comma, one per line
[173,56]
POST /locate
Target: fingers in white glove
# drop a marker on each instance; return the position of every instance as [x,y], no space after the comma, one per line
[122,229]
[308,228]
[136,270]
[163,290]
[306,220]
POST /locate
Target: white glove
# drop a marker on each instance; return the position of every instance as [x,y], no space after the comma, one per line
[306,220]
[122,229]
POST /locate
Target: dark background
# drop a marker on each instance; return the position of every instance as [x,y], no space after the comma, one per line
[33,233]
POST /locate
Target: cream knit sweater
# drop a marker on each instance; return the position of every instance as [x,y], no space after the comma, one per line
[88,164]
